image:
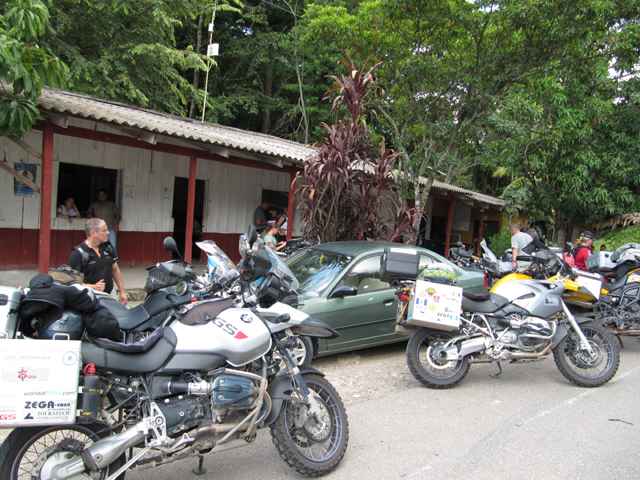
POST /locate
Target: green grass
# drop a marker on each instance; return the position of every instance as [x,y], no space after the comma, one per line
[614,239]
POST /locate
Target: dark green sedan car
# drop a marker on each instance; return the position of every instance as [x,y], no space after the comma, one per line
[366,318]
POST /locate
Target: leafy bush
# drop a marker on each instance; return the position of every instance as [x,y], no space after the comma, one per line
[348,187]
[500,242]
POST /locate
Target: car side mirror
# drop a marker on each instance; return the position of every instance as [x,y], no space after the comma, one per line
[344,291]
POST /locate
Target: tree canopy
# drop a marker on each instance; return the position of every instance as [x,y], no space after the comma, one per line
[25,65]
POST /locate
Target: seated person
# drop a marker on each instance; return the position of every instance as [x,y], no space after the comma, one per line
[270,239]
[67,210]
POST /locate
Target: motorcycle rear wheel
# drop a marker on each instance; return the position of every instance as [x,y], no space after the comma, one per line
[428,370]
[25,446]
[575,363]
[309,448]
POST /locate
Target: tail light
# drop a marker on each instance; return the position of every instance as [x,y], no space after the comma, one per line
[486,280]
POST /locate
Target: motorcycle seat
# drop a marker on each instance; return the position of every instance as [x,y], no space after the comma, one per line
[613,286]
[138,347]
[143,362]
[493,303]
[128,318]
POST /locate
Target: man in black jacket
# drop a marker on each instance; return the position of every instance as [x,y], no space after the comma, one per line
[46,300]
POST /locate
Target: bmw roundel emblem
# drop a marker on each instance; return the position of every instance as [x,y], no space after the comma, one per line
[246,318]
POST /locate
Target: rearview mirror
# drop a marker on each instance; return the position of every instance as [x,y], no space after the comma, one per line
[252,235]
[169,244]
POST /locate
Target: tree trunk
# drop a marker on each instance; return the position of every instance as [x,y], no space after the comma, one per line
[266,112]
[196,71]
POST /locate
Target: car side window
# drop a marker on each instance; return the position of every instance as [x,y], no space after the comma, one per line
[366,276]
[426,260]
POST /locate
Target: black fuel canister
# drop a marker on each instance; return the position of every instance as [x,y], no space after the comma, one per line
[88,399]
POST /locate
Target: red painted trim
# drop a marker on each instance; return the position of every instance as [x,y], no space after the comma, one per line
[452,203]
[131,142]
[191,202]
[44,244]
[291,205]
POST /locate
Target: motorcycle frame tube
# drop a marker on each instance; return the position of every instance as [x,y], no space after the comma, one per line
[278,387]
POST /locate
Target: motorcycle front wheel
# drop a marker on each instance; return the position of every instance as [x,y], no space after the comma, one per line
[310,446]
[429,370]
[31,453]
[578,366]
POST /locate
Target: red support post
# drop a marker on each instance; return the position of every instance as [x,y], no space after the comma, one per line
[191,202]
[452,203]
[291,205]
[44,247]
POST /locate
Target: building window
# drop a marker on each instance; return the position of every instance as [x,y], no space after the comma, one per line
[82,182]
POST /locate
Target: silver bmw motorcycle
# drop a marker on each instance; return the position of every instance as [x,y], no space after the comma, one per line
[520,321]
[206,380]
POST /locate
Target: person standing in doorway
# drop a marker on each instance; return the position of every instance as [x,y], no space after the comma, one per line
[97,259]
[259,217]
[108,211]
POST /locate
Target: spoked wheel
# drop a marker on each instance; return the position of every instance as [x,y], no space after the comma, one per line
[425,364]
[312,446]
[301,354]
[32,453]
[578,366]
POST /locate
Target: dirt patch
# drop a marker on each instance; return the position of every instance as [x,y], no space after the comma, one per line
[364,374]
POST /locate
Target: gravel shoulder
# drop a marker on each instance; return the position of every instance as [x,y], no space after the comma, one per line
[365,374]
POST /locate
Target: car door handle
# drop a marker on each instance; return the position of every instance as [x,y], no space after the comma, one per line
[388,301]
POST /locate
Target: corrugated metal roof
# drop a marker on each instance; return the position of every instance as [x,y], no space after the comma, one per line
[469,194]
[80,105]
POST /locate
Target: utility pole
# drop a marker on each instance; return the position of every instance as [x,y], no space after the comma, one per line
[212,51]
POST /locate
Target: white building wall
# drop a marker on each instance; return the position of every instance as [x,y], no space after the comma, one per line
[146,184]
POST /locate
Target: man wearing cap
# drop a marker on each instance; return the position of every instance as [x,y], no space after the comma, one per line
[583,252]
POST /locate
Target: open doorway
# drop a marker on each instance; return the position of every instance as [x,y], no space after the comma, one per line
[179,214]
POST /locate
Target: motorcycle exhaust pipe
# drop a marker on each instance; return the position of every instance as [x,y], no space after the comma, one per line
[106,451]
[99,455]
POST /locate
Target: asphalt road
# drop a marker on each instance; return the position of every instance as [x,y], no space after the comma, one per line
[530,423]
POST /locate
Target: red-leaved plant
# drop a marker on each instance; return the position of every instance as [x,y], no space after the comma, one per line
[348,187]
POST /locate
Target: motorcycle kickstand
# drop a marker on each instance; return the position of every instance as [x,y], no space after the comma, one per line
[199,470]
[496,375]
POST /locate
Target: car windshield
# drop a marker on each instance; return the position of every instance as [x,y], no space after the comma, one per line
[315,270]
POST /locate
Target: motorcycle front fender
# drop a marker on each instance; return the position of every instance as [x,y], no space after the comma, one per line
[277,389]
[565,327]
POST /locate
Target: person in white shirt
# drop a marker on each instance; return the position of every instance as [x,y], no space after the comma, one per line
[519,240]
[67,210]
